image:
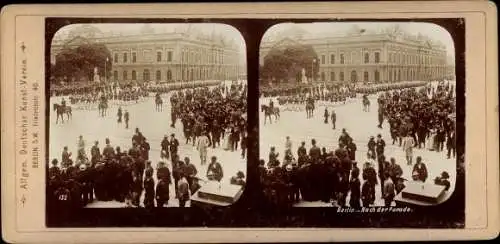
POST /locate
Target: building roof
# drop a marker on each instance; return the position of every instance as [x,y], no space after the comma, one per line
[187,32]
[357,34]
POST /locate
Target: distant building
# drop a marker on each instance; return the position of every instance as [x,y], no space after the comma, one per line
[360,56]
[182,55]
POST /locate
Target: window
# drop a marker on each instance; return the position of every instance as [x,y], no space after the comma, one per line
[332,59]
[332,76]
[116,58]
[169,56]
[115,75]
[377,57]
[390,76]
[134,75]
[377,76]
[365,76]
[158,56]
[169,75]
[145,75]
[367,58]
[158,75]
[322,59]
[125,75]
[342,59]
[134,57]
[124,57]
[341,76]
[322,76]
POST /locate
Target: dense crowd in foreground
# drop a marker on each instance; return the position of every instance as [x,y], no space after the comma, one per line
[123,176]
[417,118]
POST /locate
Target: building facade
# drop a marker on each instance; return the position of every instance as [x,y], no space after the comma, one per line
[165,57]
[377,57]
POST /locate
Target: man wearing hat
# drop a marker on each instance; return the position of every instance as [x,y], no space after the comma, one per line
[126,117]
[380,145]
[95,152]
[419,171]
[443,180]
[165,144]
[108,150]
[239,179]
[214,171]
[174,145]
[314,152]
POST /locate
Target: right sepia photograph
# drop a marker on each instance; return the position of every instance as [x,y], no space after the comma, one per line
[357,114]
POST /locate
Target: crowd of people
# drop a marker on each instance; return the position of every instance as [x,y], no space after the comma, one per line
[335,176]
[210,114]
[124,176]
[421,118]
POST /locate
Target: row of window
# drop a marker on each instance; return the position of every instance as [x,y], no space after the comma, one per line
[410,74]
[146,75]
[353,78]
[414,59]
[342,58]
[134,57]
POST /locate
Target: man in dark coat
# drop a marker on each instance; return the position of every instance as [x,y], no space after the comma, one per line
[174,145]
[333,118]
[189,171]
[380,145]
[108,151]
[149,190]
[314,152]
[165,144]
[95,153]
[351,149]
[419,171]
[355,185]
[214,171]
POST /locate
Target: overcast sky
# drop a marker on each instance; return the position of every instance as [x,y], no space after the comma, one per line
[229,32]
[433,31]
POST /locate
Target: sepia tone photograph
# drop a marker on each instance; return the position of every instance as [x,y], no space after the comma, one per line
[357,114]
[146,115]
[354,113]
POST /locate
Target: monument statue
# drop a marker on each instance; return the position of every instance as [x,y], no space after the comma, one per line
[96,75]
[304,78]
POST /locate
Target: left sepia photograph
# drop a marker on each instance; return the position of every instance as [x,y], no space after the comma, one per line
[146,115]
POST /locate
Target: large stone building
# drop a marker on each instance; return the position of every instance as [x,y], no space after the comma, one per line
[180,55]
[362,56]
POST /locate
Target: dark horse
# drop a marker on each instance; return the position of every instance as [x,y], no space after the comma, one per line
[61,110]
[268,111]
[159,103]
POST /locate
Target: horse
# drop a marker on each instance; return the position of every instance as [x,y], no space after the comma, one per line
[159,103]
[310,109]
[103,107]
[366,104]
[61,110]
[268,111]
